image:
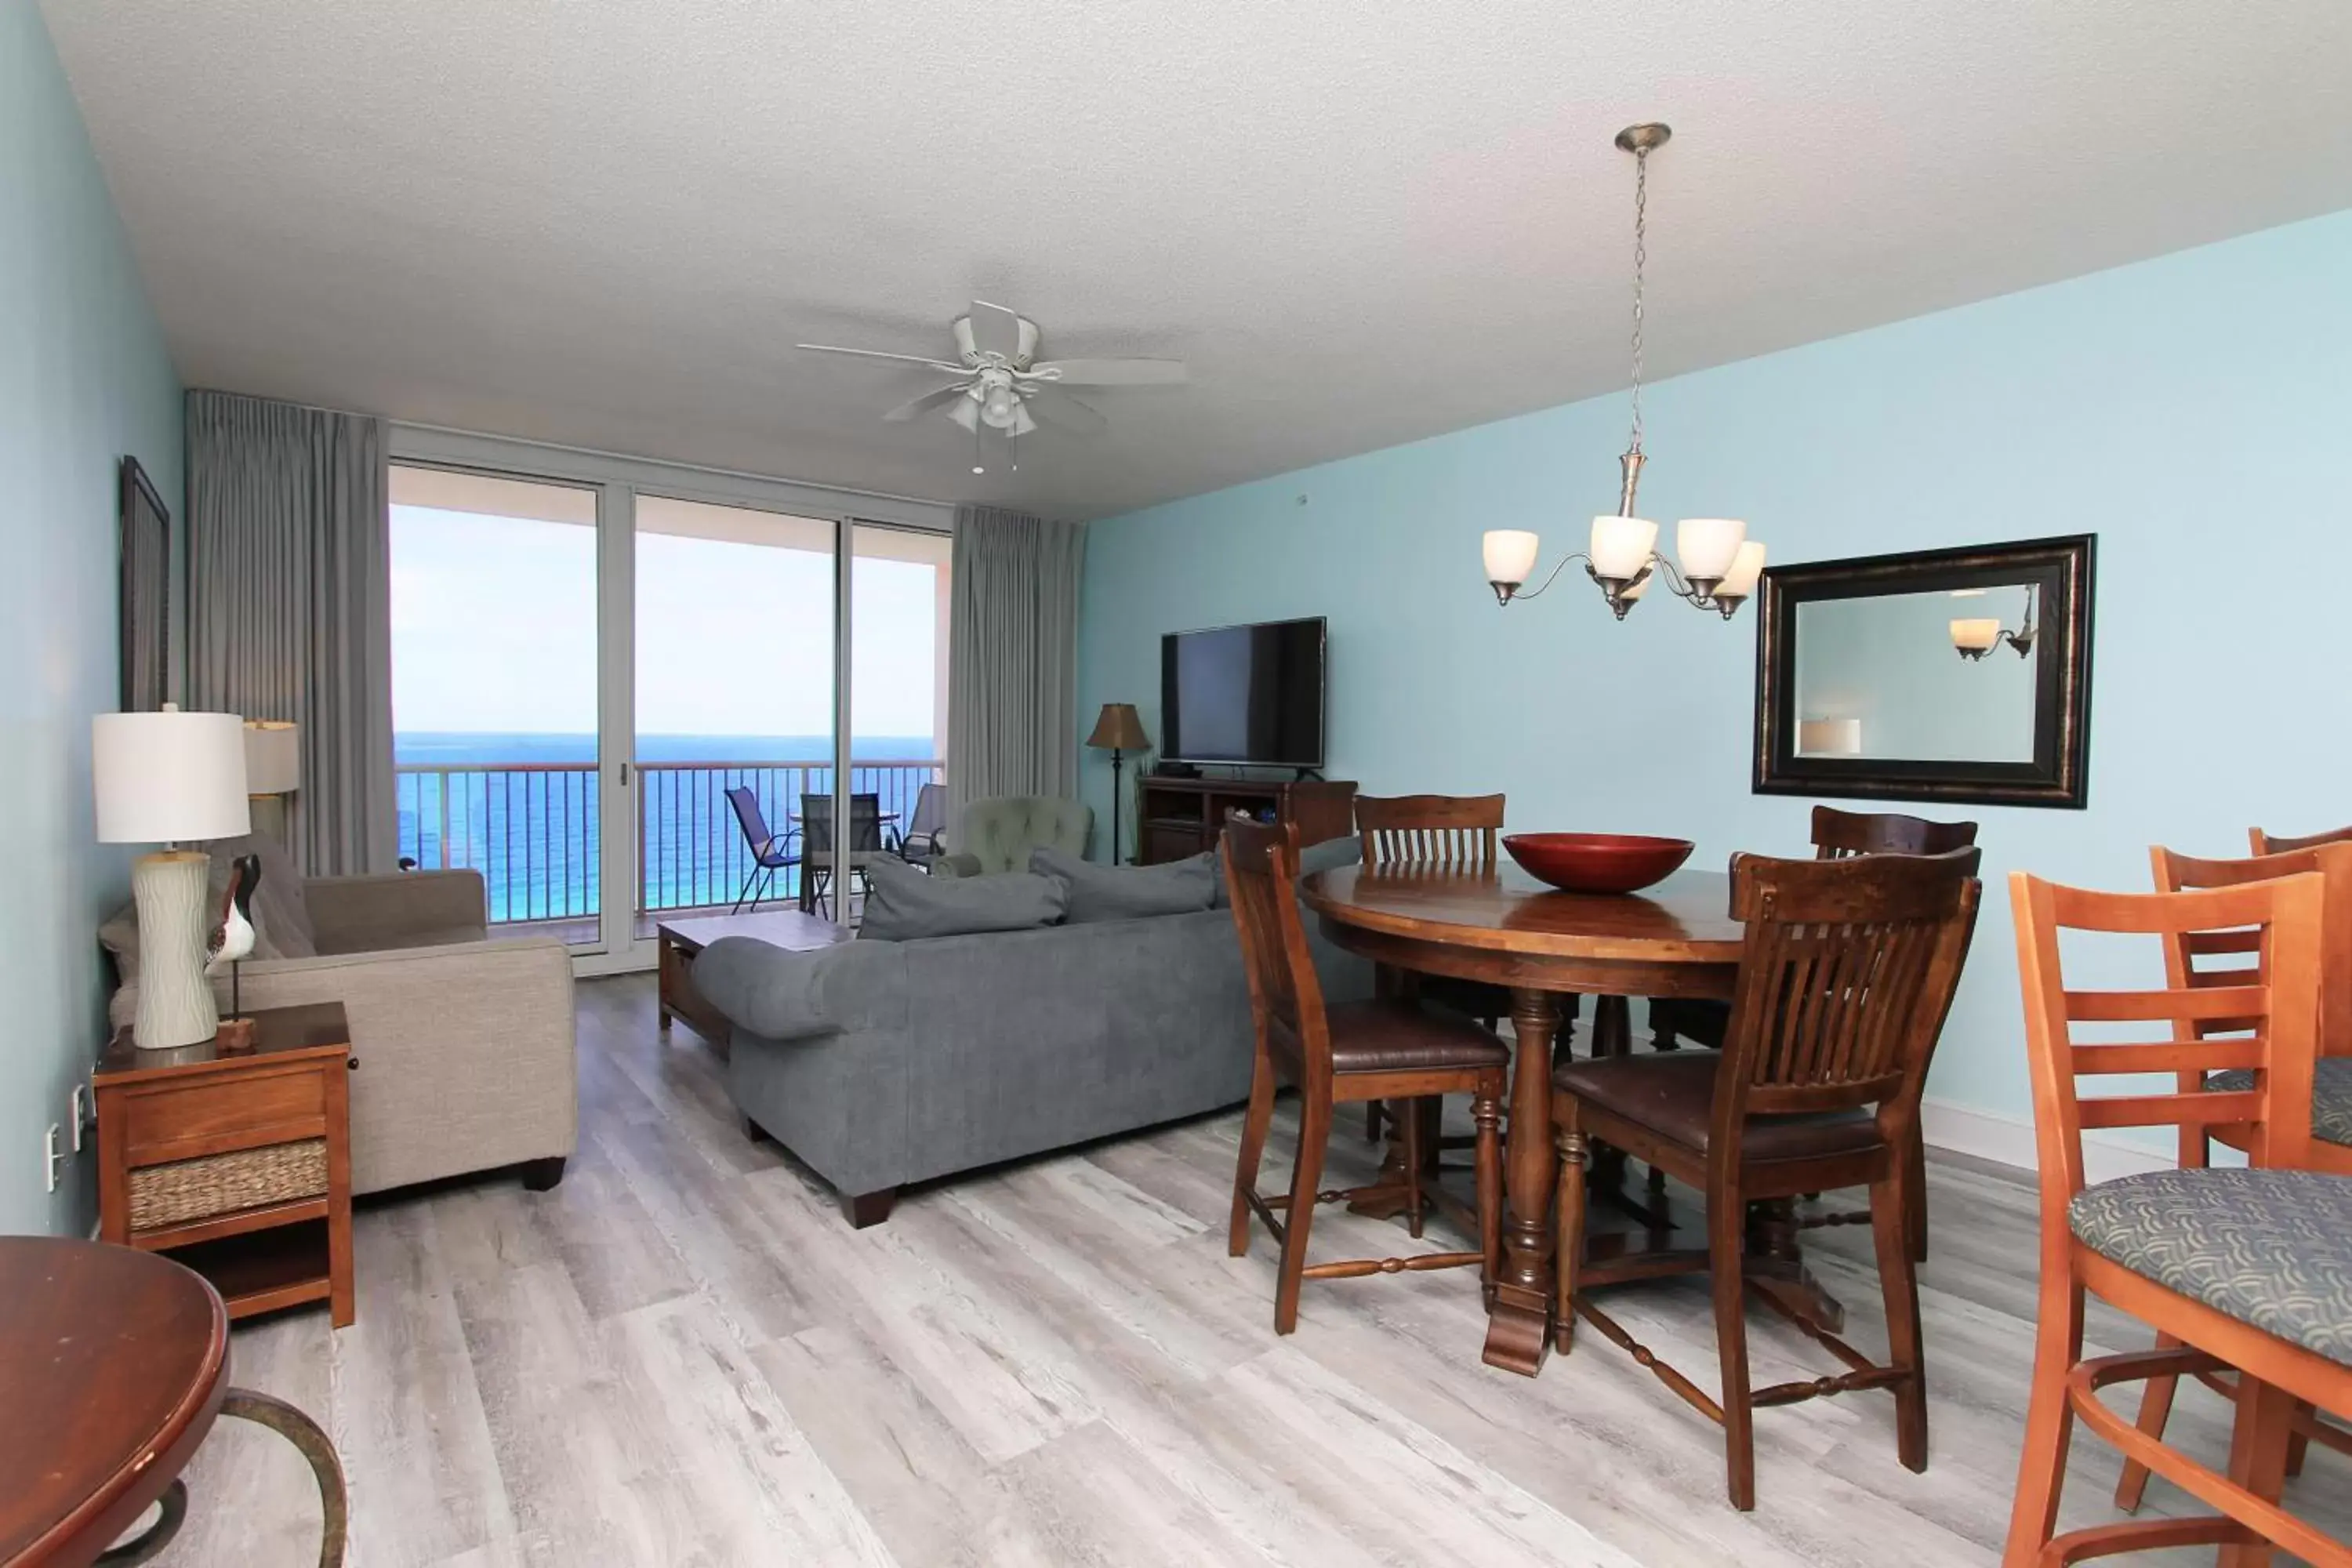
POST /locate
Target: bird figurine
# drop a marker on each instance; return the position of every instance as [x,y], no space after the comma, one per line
[232,941]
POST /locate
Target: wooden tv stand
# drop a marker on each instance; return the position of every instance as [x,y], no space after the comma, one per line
[1180,818]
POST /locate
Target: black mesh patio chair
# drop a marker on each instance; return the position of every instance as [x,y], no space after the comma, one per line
[769,851]
[865,841]
[921,842]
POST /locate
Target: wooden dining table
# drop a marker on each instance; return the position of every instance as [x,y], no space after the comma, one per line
[1677,939]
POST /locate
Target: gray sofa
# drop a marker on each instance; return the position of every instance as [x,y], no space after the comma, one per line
[883,1063]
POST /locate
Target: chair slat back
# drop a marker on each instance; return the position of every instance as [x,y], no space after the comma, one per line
[2279,843]
[1454,831]
[865,823]
[2192,958]
[2275,1005]
[1261,863]
[1847,969]
[750,819]
[1838,834]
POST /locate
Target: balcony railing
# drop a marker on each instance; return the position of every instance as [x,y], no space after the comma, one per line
[532,829]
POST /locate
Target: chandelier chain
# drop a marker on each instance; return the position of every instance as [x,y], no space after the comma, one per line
[1641,260]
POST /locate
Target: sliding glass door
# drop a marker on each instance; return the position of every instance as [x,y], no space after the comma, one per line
[625,693]
[494,692]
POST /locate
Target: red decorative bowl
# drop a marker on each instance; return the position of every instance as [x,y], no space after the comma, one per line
[1598,862]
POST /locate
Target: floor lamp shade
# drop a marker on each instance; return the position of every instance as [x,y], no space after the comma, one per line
[1119,729]
[168,778]
[273,756]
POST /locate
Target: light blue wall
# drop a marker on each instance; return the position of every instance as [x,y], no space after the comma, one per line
[2194,411]
[84,378]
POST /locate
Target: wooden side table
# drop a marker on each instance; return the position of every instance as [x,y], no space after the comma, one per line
[236,1164]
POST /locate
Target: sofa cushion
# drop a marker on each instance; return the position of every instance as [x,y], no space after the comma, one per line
[1129,892]
[282,917]
[1328,856]
[905,905]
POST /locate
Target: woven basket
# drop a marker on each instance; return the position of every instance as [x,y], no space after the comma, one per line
[225,1184]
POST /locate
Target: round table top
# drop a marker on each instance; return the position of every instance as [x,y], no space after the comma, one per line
[1687,918]
[113,1364]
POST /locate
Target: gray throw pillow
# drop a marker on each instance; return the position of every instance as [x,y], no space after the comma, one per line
[1130,892]
[1328,856]
[905,905]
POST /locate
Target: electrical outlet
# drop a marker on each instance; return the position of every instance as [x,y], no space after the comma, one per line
[51,1158]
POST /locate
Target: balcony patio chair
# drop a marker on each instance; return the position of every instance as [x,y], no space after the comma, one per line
[769,851]
[920,844]
[866,840]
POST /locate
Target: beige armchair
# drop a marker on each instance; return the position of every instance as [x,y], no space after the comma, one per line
[463,1044]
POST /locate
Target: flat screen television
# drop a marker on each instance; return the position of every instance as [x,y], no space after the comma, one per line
[1248,695]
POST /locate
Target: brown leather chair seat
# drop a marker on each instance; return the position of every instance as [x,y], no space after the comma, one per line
[1672,1094]
[1391,1036]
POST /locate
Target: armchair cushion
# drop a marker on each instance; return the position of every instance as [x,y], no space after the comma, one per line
[904,905]
[1129,892]
[2271,1248]
[397,909]
[999,833]
[281,914]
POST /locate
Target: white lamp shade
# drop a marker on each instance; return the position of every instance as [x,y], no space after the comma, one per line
[1976,634]
[1622,546]
[169,777]
[1829,737]
[1510,555]
[1706,545]
[273,757]
[1746,568]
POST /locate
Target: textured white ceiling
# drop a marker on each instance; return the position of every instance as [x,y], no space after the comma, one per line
[605,222]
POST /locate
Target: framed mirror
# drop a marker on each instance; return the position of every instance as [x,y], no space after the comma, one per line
[1950,675]
[144,592]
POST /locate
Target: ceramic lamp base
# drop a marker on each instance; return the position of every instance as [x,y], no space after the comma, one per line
[175,1000]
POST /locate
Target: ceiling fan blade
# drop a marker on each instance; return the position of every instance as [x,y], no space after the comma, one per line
[1110,371]
[926,402]
[995,330]
[1053,406]
[878,354]
[966,413]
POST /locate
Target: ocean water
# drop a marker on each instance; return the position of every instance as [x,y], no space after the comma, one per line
[525,809]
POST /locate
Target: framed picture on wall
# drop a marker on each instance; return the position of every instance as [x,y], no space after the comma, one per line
[145,591]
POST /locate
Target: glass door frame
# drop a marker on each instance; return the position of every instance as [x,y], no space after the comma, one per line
[617,481]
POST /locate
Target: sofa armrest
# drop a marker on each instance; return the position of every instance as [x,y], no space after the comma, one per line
[955,866]
[465,1052]
[785,995]
[397,909]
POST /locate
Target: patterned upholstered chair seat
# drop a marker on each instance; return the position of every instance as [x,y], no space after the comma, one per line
[2272,1248]
[2331,1096]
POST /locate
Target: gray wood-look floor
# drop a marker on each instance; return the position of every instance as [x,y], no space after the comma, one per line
[683,1356]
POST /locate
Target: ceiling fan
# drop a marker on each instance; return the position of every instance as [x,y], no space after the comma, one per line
[1000,383]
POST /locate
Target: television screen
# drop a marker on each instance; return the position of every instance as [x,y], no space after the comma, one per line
[1244,694]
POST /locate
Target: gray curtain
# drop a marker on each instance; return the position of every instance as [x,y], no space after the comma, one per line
[1012,687]
[289,607]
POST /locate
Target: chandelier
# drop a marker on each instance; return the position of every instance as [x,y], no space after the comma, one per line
[1719,564]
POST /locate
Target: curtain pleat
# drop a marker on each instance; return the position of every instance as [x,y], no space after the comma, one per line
[289,589]
[1013,658]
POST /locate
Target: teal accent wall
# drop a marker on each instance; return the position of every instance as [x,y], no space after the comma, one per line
[2195,412]
[84,379]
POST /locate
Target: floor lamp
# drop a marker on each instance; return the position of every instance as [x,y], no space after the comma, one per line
[1119,731]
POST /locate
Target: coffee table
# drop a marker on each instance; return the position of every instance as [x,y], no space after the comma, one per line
[682,942]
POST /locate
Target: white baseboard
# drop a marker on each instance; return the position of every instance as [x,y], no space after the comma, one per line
[2009,1141]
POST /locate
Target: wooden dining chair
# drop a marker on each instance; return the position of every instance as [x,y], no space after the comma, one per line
[2200,960]
[1846,970]
[1389,1047]
[2277,842]
[1445,833]
[2245,1269]
[1836,836]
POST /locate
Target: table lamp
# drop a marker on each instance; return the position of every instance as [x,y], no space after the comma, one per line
[1119,730]
[170,778]
[273,769]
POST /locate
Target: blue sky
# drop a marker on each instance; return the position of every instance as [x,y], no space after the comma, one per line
[494,630]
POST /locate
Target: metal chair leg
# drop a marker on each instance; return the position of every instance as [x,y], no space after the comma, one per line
[314,1446]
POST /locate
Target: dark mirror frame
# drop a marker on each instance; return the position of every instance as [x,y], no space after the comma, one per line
[143,592]
[2057,776]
